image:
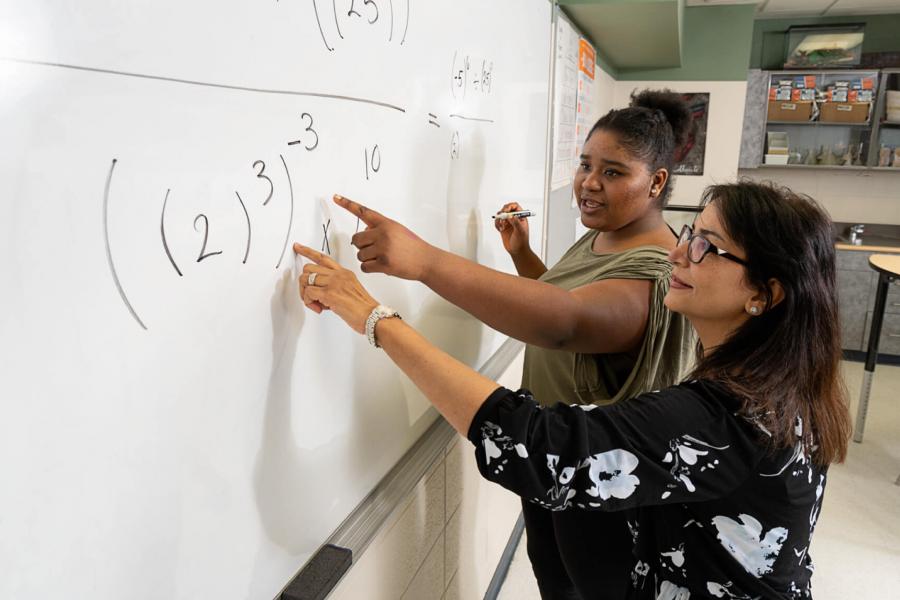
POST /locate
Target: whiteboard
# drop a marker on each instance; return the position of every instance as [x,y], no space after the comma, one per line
[174,425]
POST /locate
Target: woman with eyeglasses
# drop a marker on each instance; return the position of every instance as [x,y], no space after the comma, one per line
[594,323]
[721,477]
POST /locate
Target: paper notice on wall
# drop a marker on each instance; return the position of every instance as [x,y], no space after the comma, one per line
[584,98]
[565,89]
[584,102]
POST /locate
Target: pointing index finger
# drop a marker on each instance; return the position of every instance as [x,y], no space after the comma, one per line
[316,256]
[366,215]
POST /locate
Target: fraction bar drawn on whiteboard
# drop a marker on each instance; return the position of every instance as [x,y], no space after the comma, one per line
[465,118]
[224,86]
[109,259]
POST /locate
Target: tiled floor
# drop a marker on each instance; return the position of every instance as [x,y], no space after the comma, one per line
[856,547]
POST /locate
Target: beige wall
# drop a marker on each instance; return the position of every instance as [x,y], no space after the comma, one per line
[723,133]
[852,196]
[603,93]
[446,539]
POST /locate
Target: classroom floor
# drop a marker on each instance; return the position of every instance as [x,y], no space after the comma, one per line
[856,547]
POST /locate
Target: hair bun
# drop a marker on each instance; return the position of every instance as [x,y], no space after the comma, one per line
[671,106]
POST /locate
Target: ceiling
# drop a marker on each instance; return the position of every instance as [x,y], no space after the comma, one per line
[631,34]
[776,9]
[641,34]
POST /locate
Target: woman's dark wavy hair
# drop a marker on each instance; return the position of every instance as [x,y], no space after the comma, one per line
[655,124]
[785,363]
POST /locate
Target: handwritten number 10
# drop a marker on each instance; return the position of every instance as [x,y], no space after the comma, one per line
[374,162]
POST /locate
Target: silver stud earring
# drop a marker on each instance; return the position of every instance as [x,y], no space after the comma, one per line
[754,310]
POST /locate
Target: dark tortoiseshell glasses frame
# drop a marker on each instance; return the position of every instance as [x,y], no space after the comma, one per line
[699,247]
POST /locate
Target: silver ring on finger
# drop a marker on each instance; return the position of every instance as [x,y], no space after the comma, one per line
[311,279]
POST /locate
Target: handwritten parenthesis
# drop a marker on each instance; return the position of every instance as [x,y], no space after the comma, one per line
[291,219]
[391,30]
[407,23]
[319,22]
[109,258]
[334,10]
[452,73]
[162,232]
[246,214]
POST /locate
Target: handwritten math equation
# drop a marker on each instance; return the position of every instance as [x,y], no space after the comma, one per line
[268,181]
[470,73]
[339,21]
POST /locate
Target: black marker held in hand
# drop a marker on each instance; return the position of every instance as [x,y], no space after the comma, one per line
[521,214]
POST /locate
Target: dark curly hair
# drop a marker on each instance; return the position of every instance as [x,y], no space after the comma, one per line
[655,124]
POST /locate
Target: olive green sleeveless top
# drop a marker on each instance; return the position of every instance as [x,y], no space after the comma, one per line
[664,355]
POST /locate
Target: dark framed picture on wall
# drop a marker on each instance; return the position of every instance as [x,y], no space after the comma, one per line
[689,158]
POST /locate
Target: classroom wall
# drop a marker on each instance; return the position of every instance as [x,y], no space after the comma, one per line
[445,541]
[715,45]
[769,43]
[723,135]
[855,196]
[603,93]
[852,196]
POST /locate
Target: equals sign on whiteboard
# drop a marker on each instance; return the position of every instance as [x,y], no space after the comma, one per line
[432,119]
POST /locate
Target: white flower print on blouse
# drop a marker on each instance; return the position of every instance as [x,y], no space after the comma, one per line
[495,443]
[745,541]
[802,553]
[685,452]
[639,575]
[561,493]
[670,591]
[724,591]
[674,560]
[610,472]
[800,460]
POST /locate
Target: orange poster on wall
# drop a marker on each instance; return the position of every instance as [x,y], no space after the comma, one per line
[586,58]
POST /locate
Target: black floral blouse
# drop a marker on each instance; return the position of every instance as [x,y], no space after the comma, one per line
[712,511]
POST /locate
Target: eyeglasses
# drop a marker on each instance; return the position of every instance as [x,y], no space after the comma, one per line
[699,247]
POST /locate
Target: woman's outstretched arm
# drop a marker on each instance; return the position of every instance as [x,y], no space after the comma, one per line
[602,317]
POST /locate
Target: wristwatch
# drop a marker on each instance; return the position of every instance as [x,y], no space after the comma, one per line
[379,312]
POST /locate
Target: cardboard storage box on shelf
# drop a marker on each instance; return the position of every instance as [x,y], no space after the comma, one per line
[790,111]
[776,148]
[844,112]
[893,106]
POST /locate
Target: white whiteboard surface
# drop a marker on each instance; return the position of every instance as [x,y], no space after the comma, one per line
[181,429]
